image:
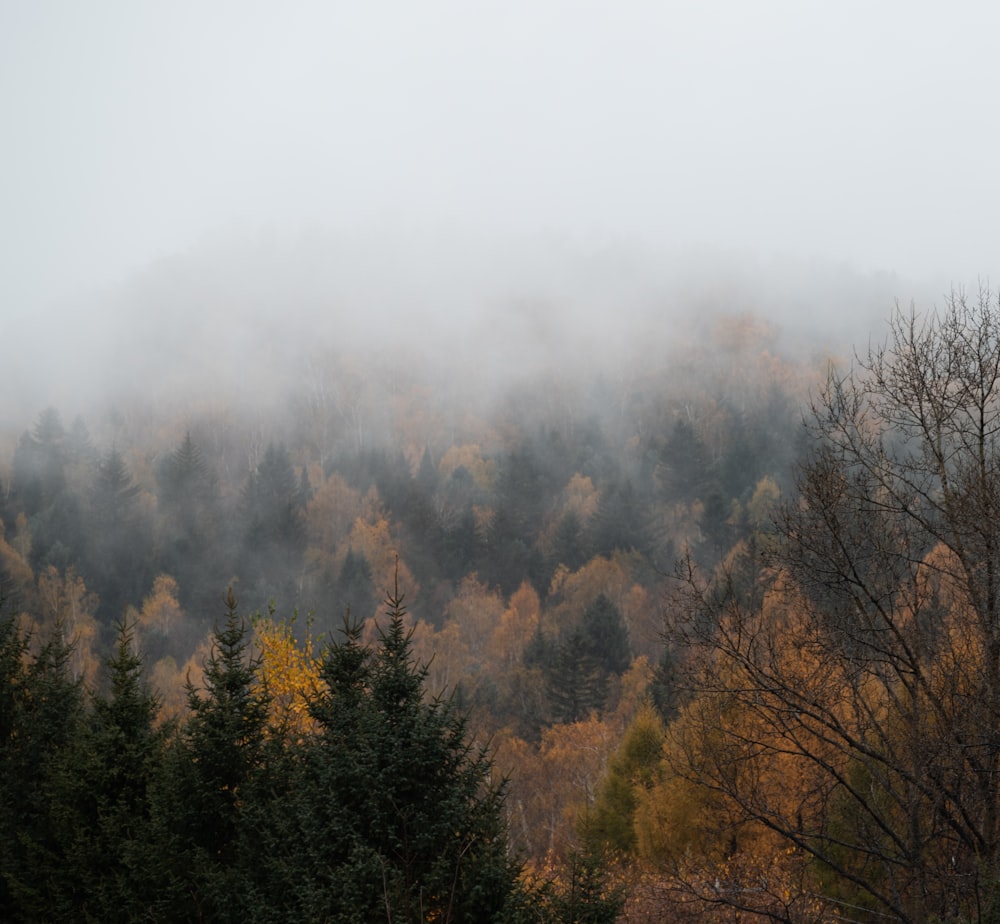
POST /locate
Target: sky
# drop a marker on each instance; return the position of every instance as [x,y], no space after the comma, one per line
[863,134]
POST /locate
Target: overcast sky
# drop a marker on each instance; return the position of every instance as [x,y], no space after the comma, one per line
[858,132]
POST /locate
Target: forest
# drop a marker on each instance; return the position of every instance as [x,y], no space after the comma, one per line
[715,635]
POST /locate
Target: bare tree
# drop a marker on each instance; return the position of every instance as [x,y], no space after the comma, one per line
[853,670]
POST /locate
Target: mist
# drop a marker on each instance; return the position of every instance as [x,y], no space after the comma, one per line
[200,199]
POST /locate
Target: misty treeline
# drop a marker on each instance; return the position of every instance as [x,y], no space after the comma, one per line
[731,663]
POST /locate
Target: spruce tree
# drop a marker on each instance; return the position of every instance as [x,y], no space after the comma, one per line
[575,682]
[395,814]
[40,722]
[113,781]
[210,778]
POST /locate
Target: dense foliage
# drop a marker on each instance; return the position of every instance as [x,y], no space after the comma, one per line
[798,723]
[385,811]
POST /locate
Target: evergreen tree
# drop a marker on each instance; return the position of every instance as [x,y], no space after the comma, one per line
[575,683]
[587,896]
[394,814]
[273,527]
[210,777]
[119,540]
[41,721]
[606,636]
[190,522]
[39,489]
[113,780]
[355,588]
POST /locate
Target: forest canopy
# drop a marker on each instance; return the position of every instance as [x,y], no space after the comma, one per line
[680,651]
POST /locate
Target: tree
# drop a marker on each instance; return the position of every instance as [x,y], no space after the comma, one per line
[211,776]
[575,682]
[632,769]
[190,522]
[41,716]
[864,661]
[119,542]
[274,535]
[393,812]
[606,635]
[112,781]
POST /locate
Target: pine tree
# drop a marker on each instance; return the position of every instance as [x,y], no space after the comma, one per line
[119,542]
[273,526]
[190,525]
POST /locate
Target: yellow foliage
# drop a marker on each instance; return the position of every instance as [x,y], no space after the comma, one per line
[635,684]
[290,672]
[161,612]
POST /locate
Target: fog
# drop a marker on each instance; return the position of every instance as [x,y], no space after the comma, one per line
[195,195]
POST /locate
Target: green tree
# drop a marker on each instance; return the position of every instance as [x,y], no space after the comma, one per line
[606,636]
[634,766]
[113,781]
[41,720]
[190,525]
[212,774]
[575,683]
[119,539]
[586,893]
[273,526]
[394,813]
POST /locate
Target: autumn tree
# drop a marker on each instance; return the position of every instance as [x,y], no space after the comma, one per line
[864,663]
[632,769]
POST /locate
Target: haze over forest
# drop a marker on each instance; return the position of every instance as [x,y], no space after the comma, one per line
[508,179]
[509,307]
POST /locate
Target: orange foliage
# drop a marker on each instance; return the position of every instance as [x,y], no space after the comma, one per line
[516,627]
[371,536]
[551,783]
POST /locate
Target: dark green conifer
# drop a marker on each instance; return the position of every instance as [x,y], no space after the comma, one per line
[575,683]
[395,814]
[211,774]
